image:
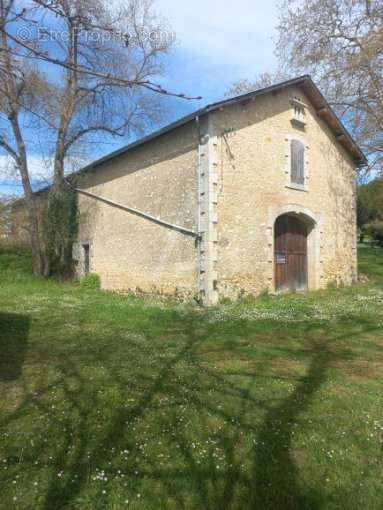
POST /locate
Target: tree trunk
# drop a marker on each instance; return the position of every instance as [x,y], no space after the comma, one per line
[33,215]
[37,257]
[34,227]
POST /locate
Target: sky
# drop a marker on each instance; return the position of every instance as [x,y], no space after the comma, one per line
[217,43]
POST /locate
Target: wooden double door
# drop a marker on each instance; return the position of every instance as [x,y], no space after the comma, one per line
[290,253]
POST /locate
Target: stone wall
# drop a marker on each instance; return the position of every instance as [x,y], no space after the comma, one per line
[253,190]
[131,253]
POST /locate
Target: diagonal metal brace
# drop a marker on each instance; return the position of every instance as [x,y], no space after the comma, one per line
[137,212]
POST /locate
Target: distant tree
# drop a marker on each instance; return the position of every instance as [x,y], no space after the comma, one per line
[370,209]
[5,215]
[375,231]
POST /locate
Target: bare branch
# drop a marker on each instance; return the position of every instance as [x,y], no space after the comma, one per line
[12,152]
[118,80]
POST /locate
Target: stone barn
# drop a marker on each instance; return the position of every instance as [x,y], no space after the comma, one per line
[253,193]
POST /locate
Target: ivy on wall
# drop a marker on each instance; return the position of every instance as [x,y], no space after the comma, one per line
[60,228]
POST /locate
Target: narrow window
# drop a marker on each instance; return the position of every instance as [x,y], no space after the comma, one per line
[299,112]
[297,173]
[86,258]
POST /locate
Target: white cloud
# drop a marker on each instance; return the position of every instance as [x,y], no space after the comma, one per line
[234,34]
[39,169]
[217,43]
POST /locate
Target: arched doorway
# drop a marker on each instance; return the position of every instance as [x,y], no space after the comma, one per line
[290,253]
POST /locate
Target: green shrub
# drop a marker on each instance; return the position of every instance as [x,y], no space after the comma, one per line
[375,231]
[91,282]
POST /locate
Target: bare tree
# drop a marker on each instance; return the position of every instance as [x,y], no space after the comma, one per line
[340,43]
[260,81]
[14,87]
[92,74]
[104,72]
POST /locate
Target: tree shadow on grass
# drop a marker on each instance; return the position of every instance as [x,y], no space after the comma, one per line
[275,481]
[14,330]
[111,439]
[184,382]
[276,472]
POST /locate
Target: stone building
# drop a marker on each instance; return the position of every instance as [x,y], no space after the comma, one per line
[252,193]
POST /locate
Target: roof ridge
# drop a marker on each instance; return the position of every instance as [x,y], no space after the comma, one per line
[361,160]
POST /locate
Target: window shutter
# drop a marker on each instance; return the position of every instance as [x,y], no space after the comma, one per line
[297,162]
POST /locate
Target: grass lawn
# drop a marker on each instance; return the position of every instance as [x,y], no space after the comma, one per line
[111,402]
